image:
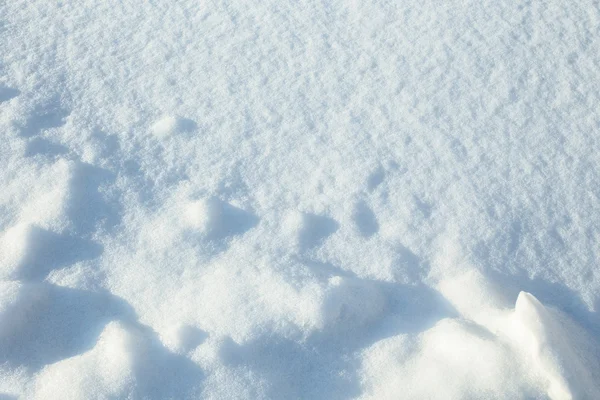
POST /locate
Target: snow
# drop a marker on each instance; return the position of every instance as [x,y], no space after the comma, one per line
[299,200]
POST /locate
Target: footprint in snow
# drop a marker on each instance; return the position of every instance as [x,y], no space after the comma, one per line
[7,93]
[310,230]
[45,117]
[365,219]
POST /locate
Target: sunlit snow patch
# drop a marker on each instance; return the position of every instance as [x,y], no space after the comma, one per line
[171,125]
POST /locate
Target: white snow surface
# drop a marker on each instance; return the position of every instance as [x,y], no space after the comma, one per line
[299,199]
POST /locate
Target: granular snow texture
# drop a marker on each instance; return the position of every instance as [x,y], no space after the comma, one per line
[304,199]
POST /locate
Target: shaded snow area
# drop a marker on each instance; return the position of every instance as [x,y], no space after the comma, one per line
[304,199]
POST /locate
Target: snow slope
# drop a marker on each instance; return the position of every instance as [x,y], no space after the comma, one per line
[299,200]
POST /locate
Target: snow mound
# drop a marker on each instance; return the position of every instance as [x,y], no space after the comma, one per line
[558,349]
[124,363]
[172,125]
[217,219]
[31,252]
[103,372]
[508,354]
